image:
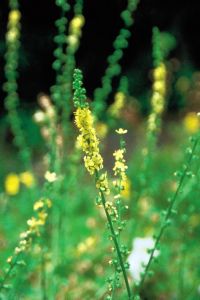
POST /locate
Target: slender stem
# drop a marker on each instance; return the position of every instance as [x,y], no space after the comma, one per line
[12,265]
[116,246]
[168,214]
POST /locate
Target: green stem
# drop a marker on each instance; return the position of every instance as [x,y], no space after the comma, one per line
[11,267]
[168,214]
[116,245]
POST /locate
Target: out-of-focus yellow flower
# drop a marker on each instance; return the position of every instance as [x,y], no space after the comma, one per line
[87,245]
[158,97]
[126,192]
[191,122]
[101,129]
[14,16]
[144,205]
[12,35]
[12,184]
[76,24]
[50,177]
[115,108]
[27,179]
[39,204]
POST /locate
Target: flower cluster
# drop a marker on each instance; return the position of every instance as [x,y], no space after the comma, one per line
[75,30]
[120,167]
[13,26]
[158,96]
[94,163]
[121,183]
[12,182]
[34,224]
[118,104]
[87,138]
[102,183]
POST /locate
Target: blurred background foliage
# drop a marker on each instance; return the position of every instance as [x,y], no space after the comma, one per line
[181,18]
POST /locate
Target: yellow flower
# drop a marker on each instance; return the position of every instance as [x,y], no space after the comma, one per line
[160,72]
[126,191]
[12,184]
[158,97]
[27,179]
[12,35]
[121,131]
[120,166]
[33,224]
[42,217]
[86,246]
[102,183]
[87,140]
[48,203]
[76,24]
[192,122]
[39,204]
[14,16]
[102,129]
[119,154]
[9,259]
[50,176]
[118,104]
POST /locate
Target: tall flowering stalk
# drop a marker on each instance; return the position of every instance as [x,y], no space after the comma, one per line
[192,153]
[94,164]
[163,43]
[11,86]
[35,225]
[114,69]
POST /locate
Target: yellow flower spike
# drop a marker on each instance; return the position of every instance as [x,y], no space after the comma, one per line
[12,184]
[27,179]
[121,131]
[88,140]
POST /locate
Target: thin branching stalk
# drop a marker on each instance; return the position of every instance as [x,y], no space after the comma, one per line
[117,247]
[169,212]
